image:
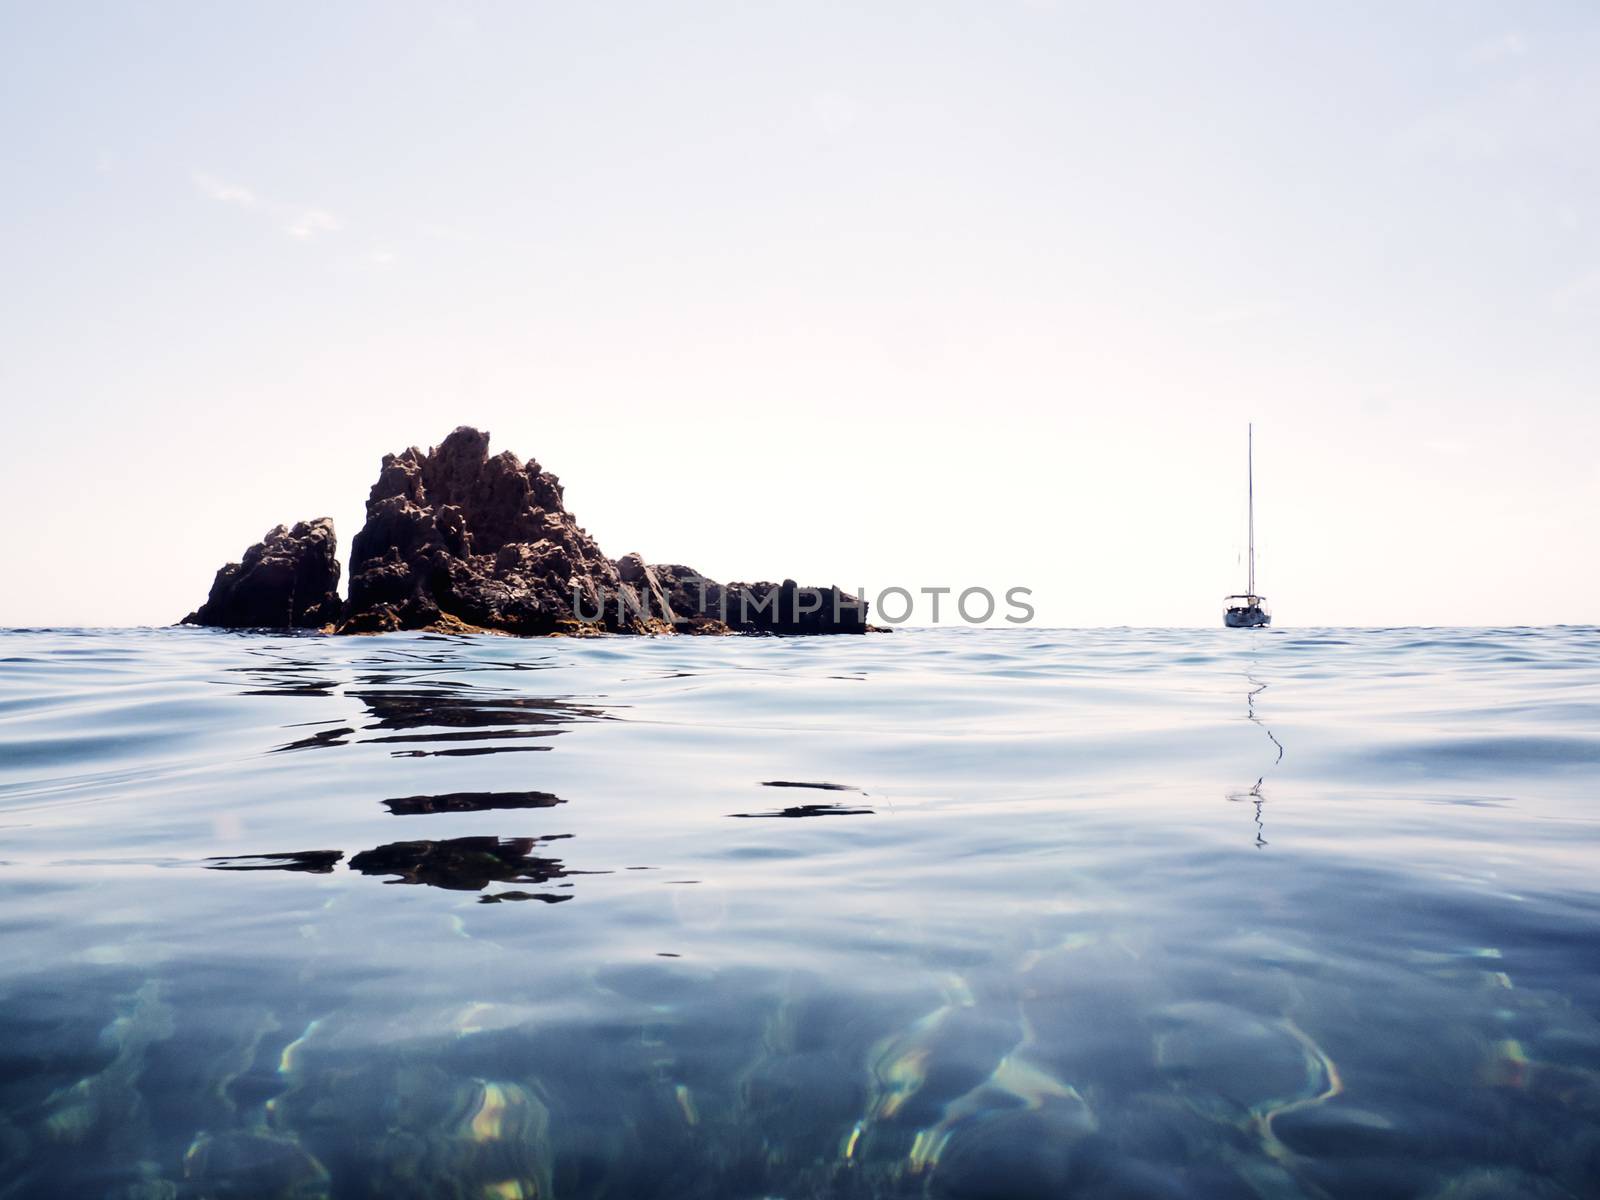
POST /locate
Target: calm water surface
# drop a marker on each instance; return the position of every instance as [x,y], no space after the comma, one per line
[948,913]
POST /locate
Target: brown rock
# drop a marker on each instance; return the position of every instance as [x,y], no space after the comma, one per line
[642,594]
[696,601]
[289,579]
[488,541]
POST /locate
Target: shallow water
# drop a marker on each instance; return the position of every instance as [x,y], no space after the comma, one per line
[1287,913]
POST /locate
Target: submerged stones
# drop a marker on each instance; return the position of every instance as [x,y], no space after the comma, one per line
[401,1130]
[287,580]
[107,1107]
[941,1089]
[457,539]
[241,1165]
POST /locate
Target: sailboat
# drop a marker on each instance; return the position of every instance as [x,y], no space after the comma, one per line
[1249,611]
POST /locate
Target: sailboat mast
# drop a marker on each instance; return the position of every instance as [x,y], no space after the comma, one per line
[1250,469]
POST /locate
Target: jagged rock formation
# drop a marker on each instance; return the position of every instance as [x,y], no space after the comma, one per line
[488,541]
[456,538]
[287,580]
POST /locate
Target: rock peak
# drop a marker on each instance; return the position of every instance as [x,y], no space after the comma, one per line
[287,580]
[484,539]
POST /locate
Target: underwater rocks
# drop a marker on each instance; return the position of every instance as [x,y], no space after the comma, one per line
[236,1164]
[287,580]
[457,539]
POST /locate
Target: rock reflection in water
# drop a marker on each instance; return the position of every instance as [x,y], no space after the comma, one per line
[464,864]
[460,708]
[318,862]
[433,722]
[808,810]
[325,737]
[409,707]
[458,802]
[820,786]
[466,751]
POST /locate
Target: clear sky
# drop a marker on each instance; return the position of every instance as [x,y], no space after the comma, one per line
[868,293]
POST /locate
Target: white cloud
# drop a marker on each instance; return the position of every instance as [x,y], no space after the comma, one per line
[298,221]
[309,222]
[221,190]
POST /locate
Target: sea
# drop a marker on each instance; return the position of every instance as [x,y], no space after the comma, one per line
[953,913]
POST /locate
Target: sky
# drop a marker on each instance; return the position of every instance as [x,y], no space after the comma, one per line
[883,295]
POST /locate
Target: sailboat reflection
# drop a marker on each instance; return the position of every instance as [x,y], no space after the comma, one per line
[1256,795]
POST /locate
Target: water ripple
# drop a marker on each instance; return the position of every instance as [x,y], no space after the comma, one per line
[1299,913]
